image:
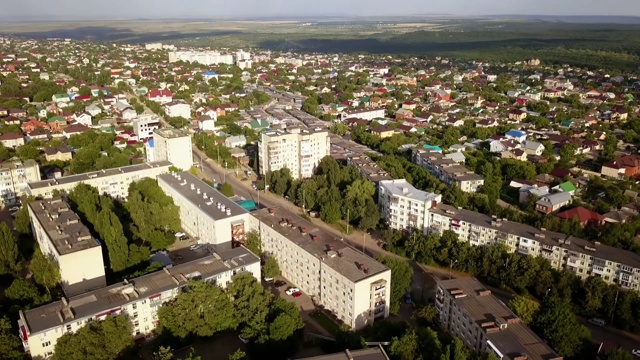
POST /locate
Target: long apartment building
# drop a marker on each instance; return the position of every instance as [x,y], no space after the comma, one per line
[138,299]
[14,177]
[368,168]
[447,170]
[485,324]
[62,237]
[172,145]
[580,256]
[403,207]
[205,213]
[352,285]
[367,114]
[114,182]
[201,57]
[299,150]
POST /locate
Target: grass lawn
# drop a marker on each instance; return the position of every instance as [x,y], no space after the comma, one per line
[342,227]
[325,321]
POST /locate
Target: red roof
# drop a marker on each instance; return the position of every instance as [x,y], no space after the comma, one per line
[160,93]
[582,214]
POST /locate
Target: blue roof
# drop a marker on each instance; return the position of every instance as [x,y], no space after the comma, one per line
[210,73]
[248,205]
[515,133]
[432,147]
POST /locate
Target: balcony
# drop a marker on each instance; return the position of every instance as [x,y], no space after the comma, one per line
[572,261]
[524,250]
[597,270]
[625,277]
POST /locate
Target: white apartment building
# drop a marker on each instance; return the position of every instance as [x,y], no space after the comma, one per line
[205,213]
[299,150]
[153,46]
[447,170]
[485,324]
[67,241]
[580,256]
[201,57]
[178,109]
[367,114]
[173,145]
[139,299]
[352,285]
[403,206]
[14,177]
[113,182]
[144,125]
[243,59]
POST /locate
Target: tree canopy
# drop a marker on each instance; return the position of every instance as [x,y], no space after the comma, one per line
[99,340]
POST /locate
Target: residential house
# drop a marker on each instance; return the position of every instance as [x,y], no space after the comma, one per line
[517,115]
[584,216]
[519,136]
[56,123]
[566,186]
[37,134]
[160,96]
[527,191]
[30,125]
[60,153]
[60,98]
[409,105]
[487,123]
[92,109]
[533,148]
[553,202]
[235,141]
[625,165]
[74,129]
[19,113]
[382,131]
[83,118]
[404,113]
[515,154]
[12,139]
[3,112]
[128,114]
[178,109]
[206,123]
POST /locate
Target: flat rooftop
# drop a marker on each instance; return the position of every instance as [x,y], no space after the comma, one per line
[67,233]
[170,133]
[17,164]
[545,237]
[373,353]
[482,307]
[199,193]
[98,174]
[401,187]
[111,298]
[337,254]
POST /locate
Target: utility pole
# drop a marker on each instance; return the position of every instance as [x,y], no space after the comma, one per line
[347,221]
[451,266]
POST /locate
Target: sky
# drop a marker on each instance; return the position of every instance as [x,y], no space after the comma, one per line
[21,10]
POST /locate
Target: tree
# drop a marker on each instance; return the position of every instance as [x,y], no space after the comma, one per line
[202,309]
[8,251]
[284,321]
[406,347]
[371,216]
[401,276]
[238,355]
[271,268]
[10,346]
[558,325]
[110,229]
[253,242]
[226,189]
[21,222]
[616,355]
[609,148]
[567,155]
[99,340]
[24,293]
[45,271]
[427,315]
[330,212]
[339,129]
[525,308]
[251,305]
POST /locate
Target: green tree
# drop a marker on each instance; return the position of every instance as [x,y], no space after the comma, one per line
[10,346]
[110,229]
[371,216]
[99,340]
[559,326]
[330,212]
[202,309]
[609,148]
[401,275]
[253,242]
[271,268]
[251,305]
[616,355]
[8,251]
[45,271]
[238,355]
[339,129]
[525,308]
[427,315]
[567,155]
[24,293]
[406,347]
[284,320]
[226,189]
[22,222]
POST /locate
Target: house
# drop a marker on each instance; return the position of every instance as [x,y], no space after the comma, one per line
[566,186]
[3,112]
[533,148]
[515,154]
[206,123]
[584,216]
[382,131]
[93,109]
[160,96]
[235,141]
[128,114]
[83,118]
[487,123]
[517,115]
[12,139]
[516,135]
[409,105]
[56,123]
[624,165]
[553,202]
[500,145]
[404,113]
[454,122]
[60,98]
[11,120]
[37,134]
[30,125]
[60,153]
[178,109]
[527,191]
[19,113]
[74,129]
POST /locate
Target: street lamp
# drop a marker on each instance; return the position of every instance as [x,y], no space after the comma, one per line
[451,266]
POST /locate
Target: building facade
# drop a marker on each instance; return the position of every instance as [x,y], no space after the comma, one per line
[62,237]
[352,285]
[178,109]
[174,146]
[113,182]
[201,57]
[484,324]
[448,170]
[14,179]
[205,213]
[582,257]
[145,125]
[403,207]
[298,150]
[138,299]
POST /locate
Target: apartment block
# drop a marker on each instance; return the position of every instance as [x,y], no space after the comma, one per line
[14,177]
[343,280]
[368,168]
[201,57]
[448,170]
[580,256]
[138,299]
[145,125]
[367,114]
[402,206]
[173,145]
[299,150]
[113,182]
[62,236]
[205,213]
[485,324]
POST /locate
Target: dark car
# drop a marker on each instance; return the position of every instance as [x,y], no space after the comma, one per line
[279,283]
[407,298]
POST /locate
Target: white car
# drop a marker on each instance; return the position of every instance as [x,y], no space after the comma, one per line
[291,291]
[194,247]
[636,352]
[180,234]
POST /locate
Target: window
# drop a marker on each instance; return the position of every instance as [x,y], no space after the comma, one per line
[46,343]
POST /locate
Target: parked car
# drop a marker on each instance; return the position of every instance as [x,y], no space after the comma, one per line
[279,283]
[407,298]
[292,290]
[180,234]
[636,352]
[14,208]
[194,247]
[597,322]
[297,294]
[183,237]
[268,279]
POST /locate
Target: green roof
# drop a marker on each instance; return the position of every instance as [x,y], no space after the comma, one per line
[61,96]
[566,123]
[56,119]
[567,186]
[259,124]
